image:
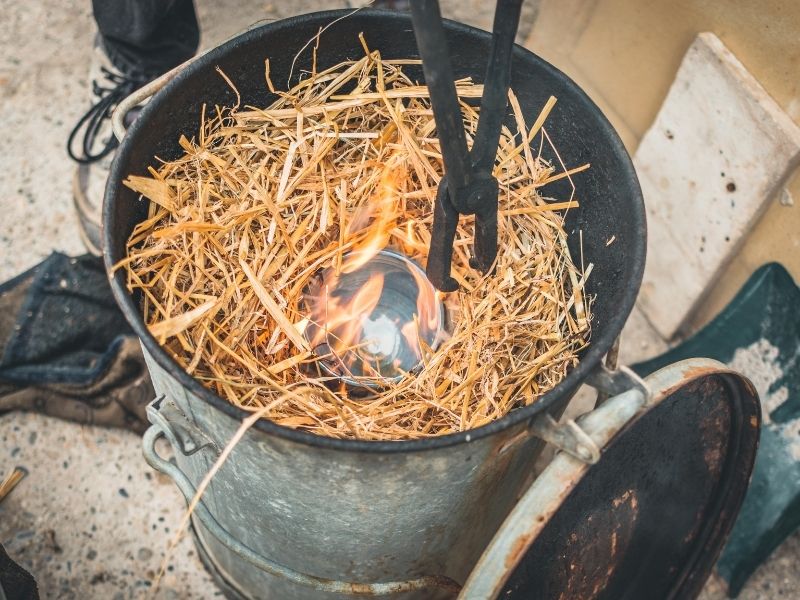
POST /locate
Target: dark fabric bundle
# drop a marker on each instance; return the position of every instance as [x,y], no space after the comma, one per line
[65,348]
[15,582]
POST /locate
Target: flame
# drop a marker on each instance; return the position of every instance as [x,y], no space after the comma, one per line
[347,333]
[427,302]
[410,331]
[382,211]
[427,317]
[301,325]
[341,322]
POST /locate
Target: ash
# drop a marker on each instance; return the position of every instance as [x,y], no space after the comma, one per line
[759,362]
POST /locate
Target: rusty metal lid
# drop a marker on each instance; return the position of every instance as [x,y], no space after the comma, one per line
[649,519]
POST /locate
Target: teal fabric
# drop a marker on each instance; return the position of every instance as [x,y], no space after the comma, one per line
[766,310]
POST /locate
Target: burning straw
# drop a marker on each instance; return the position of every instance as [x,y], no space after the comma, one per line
[263,200]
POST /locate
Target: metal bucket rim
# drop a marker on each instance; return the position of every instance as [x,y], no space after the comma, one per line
[600,344]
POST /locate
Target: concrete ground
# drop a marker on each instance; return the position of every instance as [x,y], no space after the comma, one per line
[92,520]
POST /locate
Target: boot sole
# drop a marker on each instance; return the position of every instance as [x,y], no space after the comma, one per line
[89,227]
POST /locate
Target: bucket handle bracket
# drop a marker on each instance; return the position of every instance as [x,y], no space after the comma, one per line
[616,381]
[568,436]
[177,428]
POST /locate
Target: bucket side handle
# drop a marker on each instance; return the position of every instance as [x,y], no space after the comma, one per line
[141,95]
[210,523]
[568,436]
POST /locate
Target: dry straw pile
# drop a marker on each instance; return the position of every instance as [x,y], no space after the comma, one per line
[263,199]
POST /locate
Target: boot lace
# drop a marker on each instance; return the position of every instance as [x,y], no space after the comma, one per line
[110,91]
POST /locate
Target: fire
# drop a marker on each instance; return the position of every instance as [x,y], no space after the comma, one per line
[427,316]
[410,232]
[427,301]
[383,207]
[342,319]
[368,319]
[375,321]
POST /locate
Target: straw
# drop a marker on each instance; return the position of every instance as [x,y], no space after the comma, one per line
[11,480]
[264,198]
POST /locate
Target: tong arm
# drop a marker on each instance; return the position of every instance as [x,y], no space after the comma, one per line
[468,186]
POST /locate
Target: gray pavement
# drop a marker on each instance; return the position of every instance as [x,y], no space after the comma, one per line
[93,520]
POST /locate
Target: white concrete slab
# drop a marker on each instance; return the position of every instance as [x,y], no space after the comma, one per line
[718,151]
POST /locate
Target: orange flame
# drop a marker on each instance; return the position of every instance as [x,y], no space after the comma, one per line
[382,210]
[427,317]
[341,321]
[427,302]
[342,328]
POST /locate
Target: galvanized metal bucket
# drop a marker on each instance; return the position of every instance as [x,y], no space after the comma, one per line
[293,515]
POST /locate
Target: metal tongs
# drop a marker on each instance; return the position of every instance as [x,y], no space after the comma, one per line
[468,186]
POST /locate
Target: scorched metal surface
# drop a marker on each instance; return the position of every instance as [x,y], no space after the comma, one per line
[649,519]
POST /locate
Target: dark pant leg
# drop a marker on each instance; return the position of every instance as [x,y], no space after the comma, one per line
[147,36]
